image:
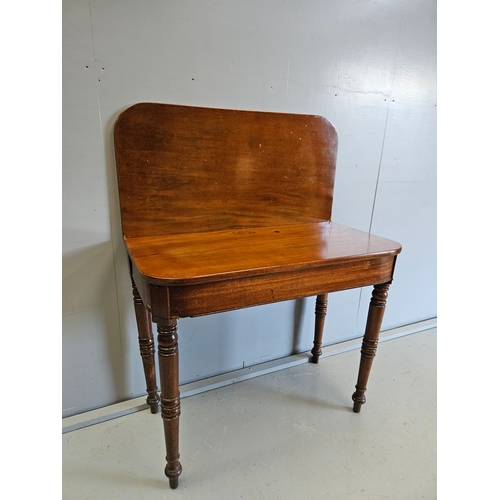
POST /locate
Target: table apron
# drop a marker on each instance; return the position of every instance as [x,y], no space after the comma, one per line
[231,294]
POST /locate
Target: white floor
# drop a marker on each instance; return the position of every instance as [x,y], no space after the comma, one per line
[288,435]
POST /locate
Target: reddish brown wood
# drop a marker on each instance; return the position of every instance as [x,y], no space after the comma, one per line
[321,307]
[225,209]
[147,349]
[178,259]
[370,341]
[204,298]
[168,355]
[201,169]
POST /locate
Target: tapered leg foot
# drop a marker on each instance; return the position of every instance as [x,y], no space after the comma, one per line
[321,307]
[370,342]
[153,406]
[147,349]
[173,471]
[358,401]
[168,356]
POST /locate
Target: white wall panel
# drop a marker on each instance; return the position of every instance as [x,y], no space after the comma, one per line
[346,60]
[405,204]
[92,361]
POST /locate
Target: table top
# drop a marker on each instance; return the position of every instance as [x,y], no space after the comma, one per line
[190,258]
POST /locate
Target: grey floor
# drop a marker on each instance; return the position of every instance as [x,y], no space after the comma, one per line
[286,435]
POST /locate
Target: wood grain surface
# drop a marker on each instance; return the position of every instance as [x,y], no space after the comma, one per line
[201,169]
[213,256]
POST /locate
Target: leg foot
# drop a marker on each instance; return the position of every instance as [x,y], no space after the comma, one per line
[173,471]
[321,306]
[370,342]
[358,401]
[153,407]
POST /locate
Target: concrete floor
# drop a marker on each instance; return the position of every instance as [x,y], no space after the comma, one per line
[288,435]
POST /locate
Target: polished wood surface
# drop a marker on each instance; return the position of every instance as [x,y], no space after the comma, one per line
[147,348]
[177,259]
[225,209]
[370,341]
[201,169]
[320,311]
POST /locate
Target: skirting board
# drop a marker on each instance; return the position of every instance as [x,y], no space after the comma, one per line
[117,410]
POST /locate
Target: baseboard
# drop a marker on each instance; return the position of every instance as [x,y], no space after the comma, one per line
[110,412]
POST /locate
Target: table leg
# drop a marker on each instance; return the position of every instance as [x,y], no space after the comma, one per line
[370,341]
[321,306]
[168,356]
[147,349]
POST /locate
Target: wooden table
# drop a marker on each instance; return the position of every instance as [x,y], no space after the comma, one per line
[224,209]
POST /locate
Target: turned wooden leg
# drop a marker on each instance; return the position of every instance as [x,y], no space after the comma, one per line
[370,341]
[147,348]
[168,356]
[321,306]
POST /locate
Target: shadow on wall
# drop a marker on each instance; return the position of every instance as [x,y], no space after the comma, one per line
[91,338]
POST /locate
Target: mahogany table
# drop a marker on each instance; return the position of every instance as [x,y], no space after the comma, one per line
[224,209]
